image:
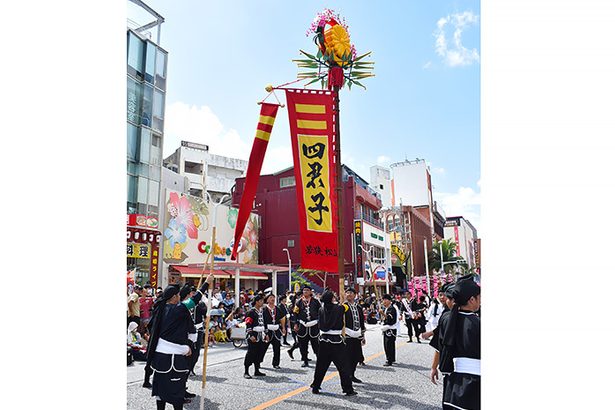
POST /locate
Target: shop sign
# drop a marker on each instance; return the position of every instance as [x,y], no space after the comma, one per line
[142,220]
[138,250]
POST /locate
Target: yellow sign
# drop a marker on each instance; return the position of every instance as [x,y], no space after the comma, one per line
[395,249]
[314,159]
[138,250]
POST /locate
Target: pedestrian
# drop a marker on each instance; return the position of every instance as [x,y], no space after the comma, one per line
[285,313]
[275,323]
[460,335]
[169,348]
[389,329]
[354,320]
[331,347]
[146,301]
[307,309]
[134,311]
[136,343]
[256,337]
[434,313]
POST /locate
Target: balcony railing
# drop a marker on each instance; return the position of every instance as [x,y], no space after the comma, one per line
[370,220]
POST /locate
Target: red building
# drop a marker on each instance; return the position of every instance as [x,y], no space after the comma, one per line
[276,203]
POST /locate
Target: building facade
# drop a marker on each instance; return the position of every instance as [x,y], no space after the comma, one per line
[380,181]
[214,172]
[146,91]
[464,234]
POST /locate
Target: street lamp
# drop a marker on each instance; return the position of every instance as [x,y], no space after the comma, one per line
[290,289]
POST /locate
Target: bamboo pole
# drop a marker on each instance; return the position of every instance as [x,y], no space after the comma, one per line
[338,190]
[207,318]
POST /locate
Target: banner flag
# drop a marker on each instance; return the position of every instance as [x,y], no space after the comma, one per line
[255,163]
[312,132]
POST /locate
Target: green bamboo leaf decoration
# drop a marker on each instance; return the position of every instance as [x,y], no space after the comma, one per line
[308,55]
[359,84]
[362,56]
[314,80]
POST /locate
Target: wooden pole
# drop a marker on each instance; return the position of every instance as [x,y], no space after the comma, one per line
[208,317]
[338,190]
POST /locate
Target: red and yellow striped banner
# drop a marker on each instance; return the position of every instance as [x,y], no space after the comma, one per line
[255,163]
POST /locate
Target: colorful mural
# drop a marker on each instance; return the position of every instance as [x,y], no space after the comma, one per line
[187,231]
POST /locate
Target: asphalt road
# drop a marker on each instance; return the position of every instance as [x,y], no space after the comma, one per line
[406,385]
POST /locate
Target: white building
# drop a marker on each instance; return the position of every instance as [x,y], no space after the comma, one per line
[411,185]
[380,181]
[460,230]
[215,172]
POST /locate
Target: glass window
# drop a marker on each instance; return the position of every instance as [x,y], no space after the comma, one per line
[144,151]
[135,96]
[146,110]
[154,173]
[132,191]
[158,110]
[154,187]
[132,168]
[135,55]
[142,191]
[132,142]
[155,155]
[161,69]
[143,170]
[150,62]
[152,210]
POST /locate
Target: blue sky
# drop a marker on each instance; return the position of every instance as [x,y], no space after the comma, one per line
[423,103]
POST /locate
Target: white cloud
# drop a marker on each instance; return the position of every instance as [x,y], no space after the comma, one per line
[201,125]
[453,52]
[427,65]
[383,159]
[277,159]
[465,202]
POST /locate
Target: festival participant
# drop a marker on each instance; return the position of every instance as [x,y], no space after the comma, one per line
[419,309]
[389,329]
[407,312]
[355,332]
[443,363]
[185,293]
[307,329]
[331,347]
[460,335]
[257,338]
[275,323]
[169,348]
[198,315]
[286,314]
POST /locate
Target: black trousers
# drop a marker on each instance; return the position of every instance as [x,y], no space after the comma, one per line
[254,356]
[417,325]
[327,353]
[354,354]
[389,348]
[196,350]
[303,346]
[276,351]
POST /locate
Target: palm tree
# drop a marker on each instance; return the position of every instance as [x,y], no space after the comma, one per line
[449,254]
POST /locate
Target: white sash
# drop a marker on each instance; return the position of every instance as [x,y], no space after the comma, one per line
[166,347]
[353,333]
[388,327]
[466,365]
[258,329]
[308,324]
[273,327]
[192,337]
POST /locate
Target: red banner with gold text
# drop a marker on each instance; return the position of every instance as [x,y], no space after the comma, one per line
[311,132]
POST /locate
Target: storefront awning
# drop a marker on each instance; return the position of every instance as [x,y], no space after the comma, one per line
[195,272]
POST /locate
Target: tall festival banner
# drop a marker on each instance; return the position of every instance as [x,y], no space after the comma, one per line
[311,131]
[255,163]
